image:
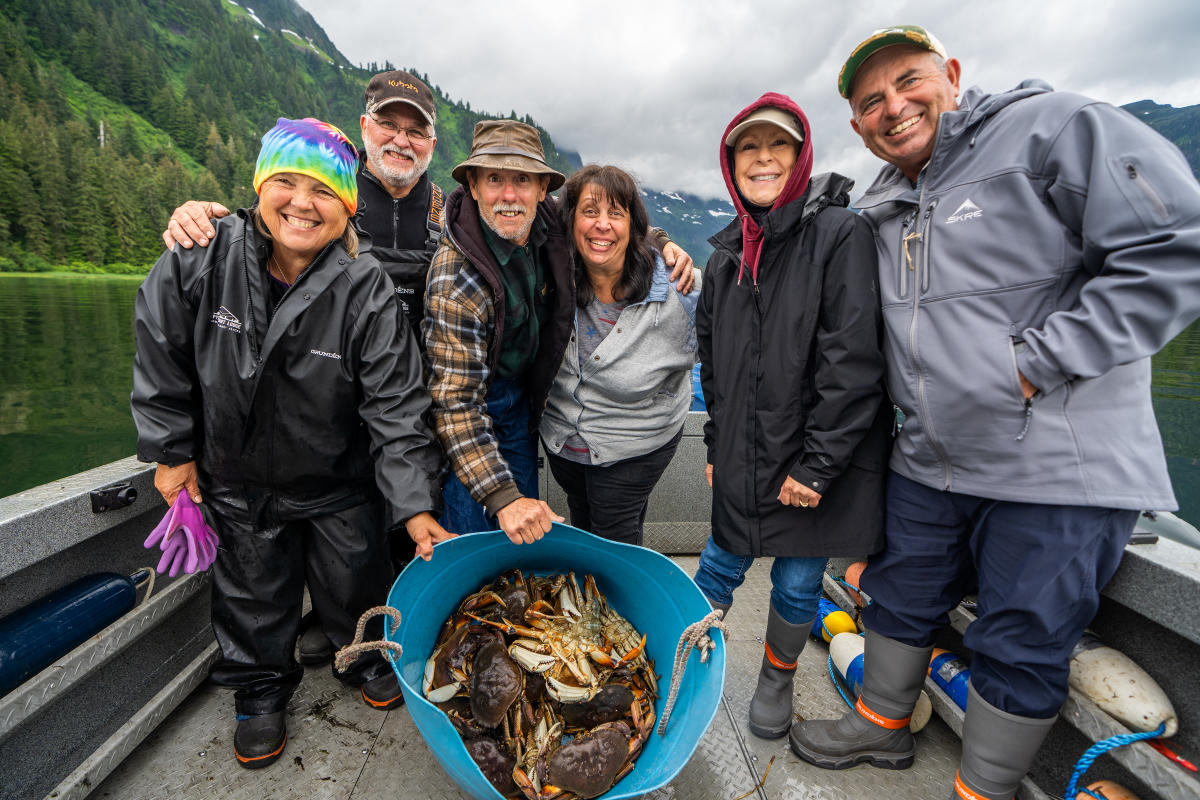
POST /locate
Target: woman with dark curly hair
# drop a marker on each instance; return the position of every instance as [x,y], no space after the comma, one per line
[615,412]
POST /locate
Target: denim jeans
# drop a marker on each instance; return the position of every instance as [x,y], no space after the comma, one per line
[508,408]
[795,582]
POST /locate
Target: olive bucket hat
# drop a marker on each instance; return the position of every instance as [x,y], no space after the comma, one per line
[507,144]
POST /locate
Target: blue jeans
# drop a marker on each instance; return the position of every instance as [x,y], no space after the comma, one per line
[1040,569]
[508,408]
[795,582]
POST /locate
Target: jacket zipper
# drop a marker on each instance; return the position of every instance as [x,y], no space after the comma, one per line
[923,236]
[927,241]
[905,260]
[1013,341]
[1148,190]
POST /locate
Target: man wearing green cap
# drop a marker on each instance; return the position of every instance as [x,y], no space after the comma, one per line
[1035,248]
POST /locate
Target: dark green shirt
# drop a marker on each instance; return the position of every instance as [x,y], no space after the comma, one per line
[524,297]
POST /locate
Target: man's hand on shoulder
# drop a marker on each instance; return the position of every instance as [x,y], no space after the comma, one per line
[191,222]
[526,520]
[680,264]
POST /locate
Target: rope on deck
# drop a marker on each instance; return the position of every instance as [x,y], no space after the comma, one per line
[1100,748]
[346,656]
[694,636]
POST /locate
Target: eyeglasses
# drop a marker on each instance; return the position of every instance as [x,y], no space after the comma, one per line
[415,135]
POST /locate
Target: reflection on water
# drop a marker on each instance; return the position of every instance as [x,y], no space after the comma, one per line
[66,372]
[65,376]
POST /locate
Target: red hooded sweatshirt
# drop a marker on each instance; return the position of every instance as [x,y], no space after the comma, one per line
[794,189]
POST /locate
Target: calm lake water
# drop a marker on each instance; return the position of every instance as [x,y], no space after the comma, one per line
[66,372]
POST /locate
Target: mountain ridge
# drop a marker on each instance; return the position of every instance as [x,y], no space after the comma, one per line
[112,112]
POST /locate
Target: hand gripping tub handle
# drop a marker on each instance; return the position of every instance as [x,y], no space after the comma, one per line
[694,635]
[346,656]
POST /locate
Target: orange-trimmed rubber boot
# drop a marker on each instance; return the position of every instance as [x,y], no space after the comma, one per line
[876,730]
[259,740]
[383,692]
[771,706]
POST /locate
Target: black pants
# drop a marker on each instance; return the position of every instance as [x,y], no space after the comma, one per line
[258,591]
[611,501]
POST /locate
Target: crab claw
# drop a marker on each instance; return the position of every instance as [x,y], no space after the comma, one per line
[635,652]
[565,693]
[531,661]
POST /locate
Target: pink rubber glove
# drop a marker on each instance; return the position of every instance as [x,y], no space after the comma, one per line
[185,538]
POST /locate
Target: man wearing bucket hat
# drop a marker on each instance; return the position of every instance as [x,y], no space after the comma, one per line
[499,309]
[1035,249]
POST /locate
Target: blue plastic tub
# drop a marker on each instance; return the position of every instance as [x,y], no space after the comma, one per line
[646,587]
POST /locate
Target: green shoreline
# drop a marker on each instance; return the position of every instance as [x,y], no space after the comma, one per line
[69,274]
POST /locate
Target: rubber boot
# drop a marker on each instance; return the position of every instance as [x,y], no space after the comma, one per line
[997,750]
[771,706]
[383,692]
[876,730]
[259,740]
[313,646]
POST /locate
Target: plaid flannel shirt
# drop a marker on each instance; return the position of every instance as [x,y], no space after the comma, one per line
[459,313]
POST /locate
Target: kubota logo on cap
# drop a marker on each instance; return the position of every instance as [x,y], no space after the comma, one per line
[399,84]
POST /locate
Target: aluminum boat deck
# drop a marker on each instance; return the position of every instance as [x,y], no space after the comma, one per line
[339,749]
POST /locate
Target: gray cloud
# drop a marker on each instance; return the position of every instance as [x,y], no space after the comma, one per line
[651,85]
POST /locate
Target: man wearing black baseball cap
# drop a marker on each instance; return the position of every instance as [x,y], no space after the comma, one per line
[1035,249]
[399,208]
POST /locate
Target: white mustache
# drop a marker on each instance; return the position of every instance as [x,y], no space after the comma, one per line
[407,152]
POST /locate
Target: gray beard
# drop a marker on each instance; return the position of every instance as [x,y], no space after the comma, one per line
[401,179]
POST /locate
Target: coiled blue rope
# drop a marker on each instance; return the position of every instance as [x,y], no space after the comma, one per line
[1100,748]
[837,683]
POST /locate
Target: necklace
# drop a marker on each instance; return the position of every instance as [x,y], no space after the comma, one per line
[271,262]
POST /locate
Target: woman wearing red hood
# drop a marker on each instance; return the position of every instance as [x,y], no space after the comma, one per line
[792,373]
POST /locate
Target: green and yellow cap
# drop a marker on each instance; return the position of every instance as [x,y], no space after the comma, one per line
[913,35]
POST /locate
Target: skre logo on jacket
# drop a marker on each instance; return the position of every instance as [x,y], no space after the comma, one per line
[967,210]
[224,318]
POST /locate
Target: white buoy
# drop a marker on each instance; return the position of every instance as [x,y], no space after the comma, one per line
[846,650]
[1121,688]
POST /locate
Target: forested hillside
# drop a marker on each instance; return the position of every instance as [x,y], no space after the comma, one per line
[114,111]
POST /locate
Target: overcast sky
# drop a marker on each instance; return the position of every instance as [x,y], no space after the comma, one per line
[651,85]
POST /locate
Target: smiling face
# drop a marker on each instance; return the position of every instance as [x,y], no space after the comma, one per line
[601,230]
[392,156]
[897,97]
[763,159]
[302,214]
[507,200]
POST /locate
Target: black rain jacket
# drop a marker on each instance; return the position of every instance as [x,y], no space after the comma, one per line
[308,409]
[792,374]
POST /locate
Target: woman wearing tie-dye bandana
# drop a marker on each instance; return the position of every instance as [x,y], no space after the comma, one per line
[274,380]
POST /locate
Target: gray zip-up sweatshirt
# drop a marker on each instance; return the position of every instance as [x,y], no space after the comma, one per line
[1051,234]
[633,394]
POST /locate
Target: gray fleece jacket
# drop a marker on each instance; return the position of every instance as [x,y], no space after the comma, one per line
[634,392]
[1051,234]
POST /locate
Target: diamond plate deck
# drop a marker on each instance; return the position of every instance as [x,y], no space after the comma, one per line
[341,750]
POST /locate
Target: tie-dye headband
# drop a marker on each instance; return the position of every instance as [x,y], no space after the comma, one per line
[314,148]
